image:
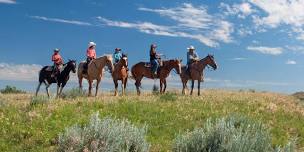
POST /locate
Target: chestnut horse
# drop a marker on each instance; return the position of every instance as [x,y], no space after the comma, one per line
[140,70]
[95,71]
[196,72]
[121,73]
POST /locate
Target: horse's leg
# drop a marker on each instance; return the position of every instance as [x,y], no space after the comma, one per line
[161,86]
[184,87]
[199,87]
[97,86]
[125,85]
[137,84]
[58,87]
[38,88]
[80,82]
[116,86]
[165,85]
[90,87]
[61,88]
[192,86]
[48,90]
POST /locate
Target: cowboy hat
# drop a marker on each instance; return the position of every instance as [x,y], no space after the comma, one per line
[92,44]
[191,47]
[56,50]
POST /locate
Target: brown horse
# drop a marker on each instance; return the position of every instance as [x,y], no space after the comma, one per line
[95,71]
[121,73]
[140,70]
[196,72]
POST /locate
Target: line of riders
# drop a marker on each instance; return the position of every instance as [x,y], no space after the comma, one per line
[155,58]
[92,68]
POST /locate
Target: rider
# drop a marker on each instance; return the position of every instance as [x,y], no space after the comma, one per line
[191,57]
[117,55]
[153,60]
[91,54]
[56,58]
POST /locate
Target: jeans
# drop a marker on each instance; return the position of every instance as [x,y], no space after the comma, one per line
[155,65]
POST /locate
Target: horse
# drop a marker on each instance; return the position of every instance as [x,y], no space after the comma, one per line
[95,71]
[196,72]
[121,73]
[61,79]
[140,70]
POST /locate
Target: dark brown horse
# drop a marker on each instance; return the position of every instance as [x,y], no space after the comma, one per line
[61,79]
[121,73]
[196,72]
[140,70]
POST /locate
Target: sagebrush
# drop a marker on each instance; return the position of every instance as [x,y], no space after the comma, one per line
[104,135]
[232,134]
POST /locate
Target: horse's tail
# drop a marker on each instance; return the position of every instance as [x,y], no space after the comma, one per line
[41,75]
[133,76]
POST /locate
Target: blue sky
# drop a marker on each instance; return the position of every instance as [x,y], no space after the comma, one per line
[257,44]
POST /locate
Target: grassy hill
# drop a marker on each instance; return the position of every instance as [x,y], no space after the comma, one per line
[35,127]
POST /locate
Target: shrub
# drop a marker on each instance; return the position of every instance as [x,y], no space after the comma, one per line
[233,134]
[104,135]
[39,100]
[11,89]
[74,93]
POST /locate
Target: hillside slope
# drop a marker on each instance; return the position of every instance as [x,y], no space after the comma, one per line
[25,127]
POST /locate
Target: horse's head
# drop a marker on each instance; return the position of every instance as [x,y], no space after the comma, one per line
[177,65]
[109,63]
[210,61]
[124,60]
[72,65]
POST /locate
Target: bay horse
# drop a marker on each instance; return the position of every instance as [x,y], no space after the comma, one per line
[61,79]
[121,73]
[196,72]
[95,71]
[140,70]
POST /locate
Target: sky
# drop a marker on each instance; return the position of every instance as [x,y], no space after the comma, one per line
[257,44]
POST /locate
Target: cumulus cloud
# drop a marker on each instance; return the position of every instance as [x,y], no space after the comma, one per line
[8,2]
[20,72]
[266,50]
[278,12]
[191,22]
[62,20]
[291,62]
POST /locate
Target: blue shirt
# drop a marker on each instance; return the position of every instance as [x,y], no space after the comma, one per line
[191,57]
[117,56]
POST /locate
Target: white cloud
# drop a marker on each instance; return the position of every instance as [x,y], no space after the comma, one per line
[289,12]
[22,72]
[266,50]
[240,10]
[191,22]
[8,1]
[291,62]
[238,59]
[296,49]
[61,20]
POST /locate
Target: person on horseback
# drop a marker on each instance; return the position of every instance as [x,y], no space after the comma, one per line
[91,54]
[154,60]
[117,55]
[191,57]
[56,58]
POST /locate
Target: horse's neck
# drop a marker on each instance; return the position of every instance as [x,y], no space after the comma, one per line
[167,66]
[66,70]
[202,64]
[100,62]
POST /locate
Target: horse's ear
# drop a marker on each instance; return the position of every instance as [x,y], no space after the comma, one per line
[181,60]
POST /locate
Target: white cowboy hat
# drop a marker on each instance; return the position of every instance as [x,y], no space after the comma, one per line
[191,47]
[56,50]
[92,44]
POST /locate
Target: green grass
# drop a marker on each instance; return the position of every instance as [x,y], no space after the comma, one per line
[36,128]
